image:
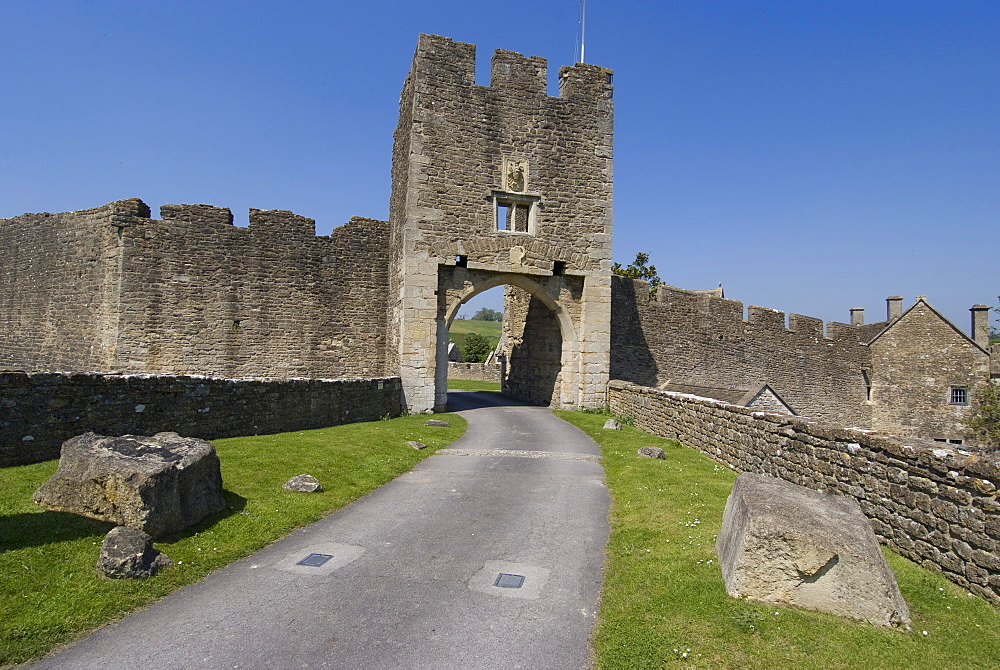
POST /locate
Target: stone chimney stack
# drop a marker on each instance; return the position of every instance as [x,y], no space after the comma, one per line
[857,316]
[893,307]
[980,325]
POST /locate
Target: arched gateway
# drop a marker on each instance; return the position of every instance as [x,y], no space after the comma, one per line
[502,185]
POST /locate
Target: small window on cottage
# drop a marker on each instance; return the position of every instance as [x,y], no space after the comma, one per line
[959,395]
[955,441]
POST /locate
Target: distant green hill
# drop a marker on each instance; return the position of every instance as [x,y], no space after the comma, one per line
[461,328]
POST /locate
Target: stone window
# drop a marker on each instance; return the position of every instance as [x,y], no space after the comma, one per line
[959,395]
[515,212]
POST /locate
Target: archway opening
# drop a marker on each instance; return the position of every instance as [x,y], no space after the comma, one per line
[537,359]
[473,338]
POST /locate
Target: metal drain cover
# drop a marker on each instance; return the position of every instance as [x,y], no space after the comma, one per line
[508,581]
[315,560]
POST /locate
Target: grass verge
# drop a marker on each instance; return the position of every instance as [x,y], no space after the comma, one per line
[664,603]
[51,594]
[471,385]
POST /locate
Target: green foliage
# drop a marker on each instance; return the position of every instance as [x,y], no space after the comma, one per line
[487,314]
[639,269]
[663,602]
[50,593]
[983,421]
[476,348]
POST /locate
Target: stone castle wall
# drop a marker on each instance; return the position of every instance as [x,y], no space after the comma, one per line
[690,338]
[111,289]
[59,286]
[41,410]
[937,506]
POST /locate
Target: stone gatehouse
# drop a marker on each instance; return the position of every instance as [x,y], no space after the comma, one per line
[498,185]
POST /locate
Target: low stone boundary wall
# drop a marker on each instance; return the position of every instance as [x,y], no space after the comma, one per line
[480,372]
[934,504]
[38,411]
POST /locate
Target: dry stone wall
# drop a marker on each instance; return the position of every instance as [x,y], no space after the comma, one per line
[691,338]
[39,411]
[937,506]
[478,372]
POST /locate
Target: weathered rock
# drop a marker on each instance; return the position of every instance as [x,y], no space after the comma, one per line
[303,484]
[612,424]
[127,553]
[651,452]
[159,485]
[437,422]
[417,445]
[785,544]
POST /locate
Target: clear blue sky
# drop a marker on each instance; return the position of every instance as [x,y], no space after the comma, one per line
[810,155]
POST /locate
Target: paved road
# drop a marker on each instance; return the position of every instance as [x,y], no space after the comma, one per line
[412,580]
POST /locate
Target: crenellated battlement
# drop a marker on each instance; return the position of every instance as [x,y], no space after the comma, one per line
[281,221]
[697,339]
[511,71]
[448,64]
[729,313]
[197,214]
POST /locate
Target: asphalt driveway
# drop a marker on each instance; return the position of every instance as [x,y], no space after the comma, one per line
[487,555]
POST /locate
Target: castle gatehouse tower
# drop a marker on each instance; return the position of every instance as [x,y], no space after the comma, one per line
[502,185]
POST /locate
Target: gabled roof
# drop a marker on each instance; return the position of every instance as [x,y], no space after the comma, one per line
[761,390]
[739,397]
[921,299]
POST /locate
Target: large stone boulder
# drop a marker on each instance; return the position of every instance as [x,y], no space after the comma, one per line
[785,544]
[127,553]
[159,485]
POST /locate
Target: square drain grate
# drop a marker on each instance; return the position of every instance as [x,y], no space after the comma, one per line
[315,560]
[508,581]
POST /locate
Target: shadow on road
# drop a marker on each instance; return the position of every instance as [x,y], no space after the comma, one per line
[463,400]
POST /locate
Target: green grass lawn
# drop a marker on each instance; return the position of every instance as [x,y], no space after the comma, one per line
[50,593]
[471,385]
[664,603]
[460,329]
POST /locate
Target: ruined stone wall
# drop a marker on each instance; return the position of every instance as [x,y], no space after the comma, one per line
[696,339]
[479,372]
[111,289]
[41,410]
[59,287]
[915,364]
[937,506]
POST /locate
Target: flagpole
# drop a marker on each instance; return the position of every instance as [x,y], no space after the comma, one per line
[583,27]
